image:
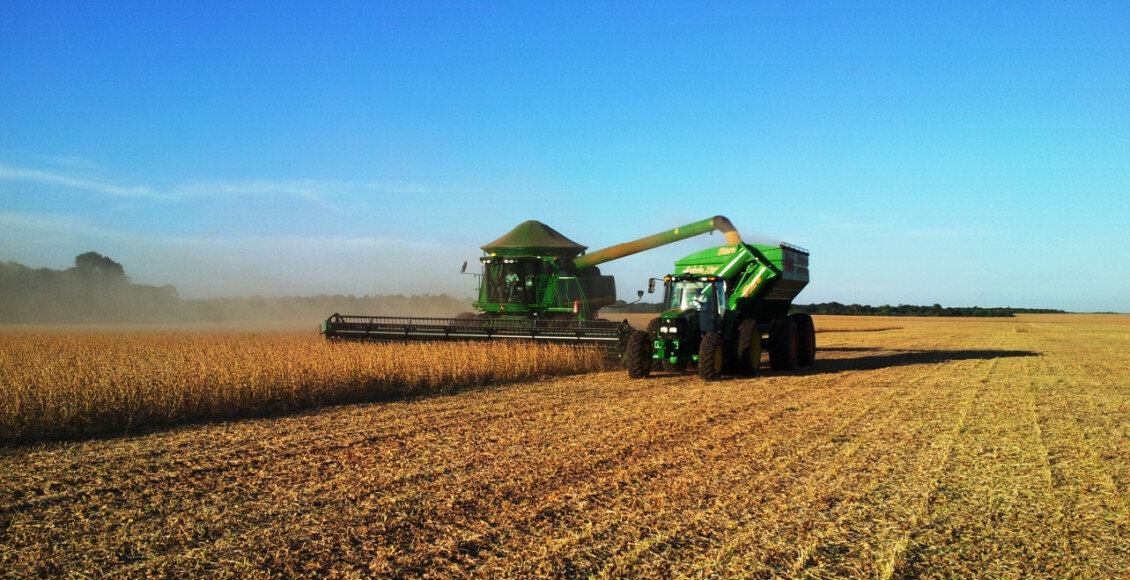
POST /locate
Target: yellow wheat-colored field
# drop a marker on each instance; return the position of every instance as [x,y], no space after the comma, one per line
[64,385]
[912,448]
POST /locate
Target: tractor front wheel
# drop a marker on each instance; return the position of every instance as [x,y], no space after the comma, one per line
[639,355]
[710,356]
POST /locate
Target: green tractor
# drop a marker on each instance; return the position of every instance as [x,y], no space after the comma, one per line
[721,306]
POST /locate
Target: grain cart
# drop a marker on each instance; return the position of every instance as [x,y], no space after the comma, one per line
[535,284]
[719,304]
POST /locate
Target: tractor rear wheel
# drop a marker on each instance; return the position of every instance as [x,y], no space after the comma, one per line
[749,348]
[710,355]
[805,339]
[639,355]
[783,344]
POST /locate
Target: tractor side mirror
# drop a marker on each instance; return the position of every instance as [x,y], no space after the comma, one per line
[650,286]
[463,270]
[639,293]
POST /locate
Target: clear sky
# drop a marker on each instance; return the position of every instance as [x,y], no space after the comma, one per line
[965,153]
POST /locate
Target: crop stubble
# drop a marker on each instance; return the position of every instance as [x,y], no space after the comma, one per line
[918,447]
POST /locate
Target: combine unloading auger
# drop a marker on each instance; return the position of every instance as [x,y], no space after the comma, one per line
[536,284]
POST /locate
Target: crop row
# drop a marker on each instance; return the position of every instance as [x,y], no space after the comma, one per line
[58,386]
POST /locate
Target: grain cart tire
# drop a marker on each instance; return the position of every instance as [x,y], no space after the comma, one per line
[710,356]
[782,344]
[805,339]
[639,355]
[749,348]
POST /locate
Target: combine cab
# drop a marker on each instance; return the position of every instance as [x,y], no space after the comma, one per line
[536,284]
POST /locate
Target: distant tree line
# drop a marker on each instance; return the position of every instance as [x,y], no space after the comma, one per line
[97,291]
[911,310]
[836,308]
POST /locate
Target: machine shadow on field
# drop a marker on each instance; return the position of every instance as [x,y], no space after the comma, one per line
[898,358]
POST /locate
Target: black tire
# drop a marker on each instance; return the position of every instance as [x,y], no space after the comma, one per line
[639,355]
[710,357]
[748,355]
[805,339]
[782,345]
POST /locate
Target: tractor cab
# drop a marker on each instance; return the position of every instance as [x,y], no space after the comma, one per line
[695,297]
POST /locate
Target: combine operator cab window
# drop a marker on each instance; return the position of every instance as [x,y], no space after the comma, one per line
[511,280]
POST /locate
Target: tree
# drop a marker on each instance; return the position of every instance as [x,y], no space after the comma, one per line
[95,264]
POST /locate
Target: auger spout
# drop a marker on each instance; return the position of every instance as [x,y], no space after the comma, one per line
[716,223]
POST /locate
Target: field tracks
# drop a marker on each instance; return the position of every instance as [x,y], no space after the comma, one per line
[933,463]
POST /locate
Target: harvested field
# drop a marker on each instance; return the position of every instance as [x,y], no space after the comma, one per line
[914,447]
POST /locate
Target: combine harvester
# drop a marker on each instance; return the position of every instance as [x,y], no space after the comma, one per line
[535,284]
[719,304]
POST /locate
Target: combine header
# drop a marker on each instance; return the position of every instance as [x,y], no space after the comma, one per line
[536,284]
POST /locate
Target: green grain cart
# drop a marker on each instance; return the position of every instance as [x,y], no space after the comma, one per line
[720,306]
[536,284]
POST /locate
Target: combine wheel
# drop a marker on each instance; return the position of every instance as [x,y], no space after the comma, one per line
[710,355]
[805,339]
[749,348]
[783,344]
[639,355]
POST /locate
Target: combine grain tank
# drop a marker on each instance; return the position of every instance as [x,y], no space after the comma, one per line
[536,284]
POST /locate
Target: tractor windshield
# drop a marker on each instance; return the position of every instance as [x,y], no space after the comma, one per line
[693,295]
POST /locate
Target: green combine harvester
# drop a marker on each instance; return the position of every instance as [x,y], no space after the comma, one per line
[536,284]
[720,306]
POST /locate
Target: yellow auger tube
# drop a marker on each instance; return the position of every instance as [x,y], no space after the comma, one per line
[716,223]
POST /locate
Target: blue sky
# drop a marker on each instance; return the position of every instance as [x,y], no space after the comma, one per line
[965,153]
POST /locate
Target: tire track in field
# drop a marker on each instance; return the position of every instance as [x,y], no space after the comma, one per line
[994,489]
[1093,511]
[933,467]
[838,488]
[580,471]
[777,470]
[312,491]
